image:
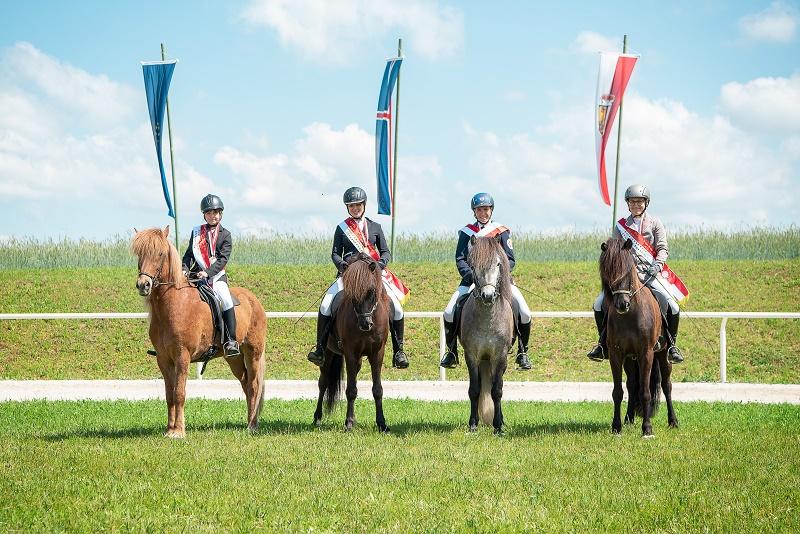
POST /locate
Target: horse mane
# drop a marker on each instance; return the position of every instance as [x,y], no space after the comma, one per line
[481,257]
[615,264]
[358,279]
[148,243]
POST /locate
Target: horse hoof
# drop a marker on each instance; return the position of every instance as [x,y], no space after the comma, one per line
[629,420]
[384,429]
[648,436]
[673,424]
[174,434]
[499,432]
[473,428]
[252,429]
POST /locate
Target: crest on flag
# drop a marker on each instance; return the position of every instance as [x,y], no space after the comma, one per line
[602,112]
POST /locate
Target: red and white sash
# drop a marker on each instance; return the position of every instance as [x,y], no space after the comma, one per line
[490,229]
[362,244]
[204,251]
[644,252]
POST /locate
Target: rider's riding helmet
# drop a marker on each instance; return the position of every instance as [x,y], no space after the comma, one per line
[211,202]
[638,191]
[482,199]
[354,195]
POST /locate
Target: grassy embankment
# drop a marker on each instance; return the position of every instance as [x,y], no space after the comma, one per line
[94,466]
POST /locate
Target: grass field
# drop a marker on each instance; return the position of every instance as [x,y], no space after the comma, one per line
[758,350]
[90,466]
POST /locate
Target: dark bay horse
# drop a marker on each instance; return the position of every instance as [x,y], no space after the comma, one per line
[181,329]
[633,329]
[360,327]
[487,330]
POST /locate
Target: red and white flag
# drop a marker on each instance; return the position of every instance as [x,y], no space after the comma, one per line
[615,71]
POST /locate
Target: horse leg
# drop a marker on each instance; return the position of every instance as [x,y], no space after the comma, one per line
[645,367]
[632,385]
[322,384]
[377,392]
[666,387]
[253,385]
[181,374]
[497,394]
[616,394]
[353,366]
[168,373]
[474,391]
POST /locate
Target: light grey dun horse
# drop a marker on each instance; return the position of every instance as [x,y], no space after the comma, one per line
[487,330]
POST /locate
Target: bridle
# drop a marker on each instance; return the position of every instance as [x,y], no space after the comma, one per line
[368,315]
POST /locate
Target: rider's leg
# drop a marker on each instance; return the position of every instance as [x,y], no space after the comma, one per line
[674,353]
[600,351]
[397,328]
[230,346]
[523,313]
[451,316]
[670,317]
[317,355]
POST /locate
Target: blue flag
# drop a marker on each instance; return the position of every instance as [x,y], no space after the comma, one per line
[157,76]
[383,137]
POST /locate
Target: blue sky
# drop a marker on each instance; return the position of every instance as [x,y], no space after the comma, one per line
[273,106]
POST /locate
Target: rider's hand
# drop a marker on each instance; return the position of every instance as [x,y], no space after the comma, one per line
[202,274]
[654,269]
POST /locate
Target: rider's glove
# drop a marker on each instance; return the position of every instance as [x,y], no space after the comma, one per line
[654,269]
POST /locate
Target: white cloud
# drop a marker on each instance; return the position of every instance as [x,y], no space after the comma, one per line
[768,104]
[336,29]
[701,170]
[588,42]
[778,24]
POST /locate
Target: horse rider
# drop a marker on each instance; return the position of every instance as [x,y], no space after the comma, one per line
[206,256]
[482,205]
[355,234]
[652,230]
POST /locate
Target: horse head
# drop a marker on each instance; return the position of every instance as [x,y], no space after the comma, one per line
[618,273]
[490,270]
[363,287]
[158,259]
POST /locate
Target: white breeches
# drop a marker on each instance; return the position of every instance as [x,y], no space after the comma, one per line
[224,294]
[518,303]
[329,304]
[665,300]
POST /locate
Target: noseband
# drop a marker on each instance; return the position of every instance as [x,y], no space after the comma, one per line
[368,315]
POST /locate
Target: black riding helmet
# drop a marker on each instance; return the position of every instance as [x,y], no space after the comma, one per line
[480,200]
[354,195]
[211,202]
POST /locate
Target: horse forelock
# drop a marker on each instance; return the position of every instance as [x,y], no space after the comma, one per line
[615,264]
[482,256]
[147,245]
[358,279]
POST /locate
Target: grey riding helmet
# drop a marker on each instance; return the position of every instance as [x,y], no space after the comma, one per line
[480,200]
[211,202]
[354,195]
[638,191]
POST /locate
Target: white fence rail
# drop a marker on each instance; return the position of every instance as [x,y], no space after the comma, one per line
[723,340]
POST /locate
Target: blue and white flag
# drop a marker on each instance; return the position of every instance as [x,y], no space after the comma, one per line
[157,76]
[383,137]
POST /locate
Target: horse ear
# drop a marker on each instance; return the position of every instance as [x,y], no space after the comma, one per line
[472,239]
[373,266]
[628,244]
[603,246]
[165,231]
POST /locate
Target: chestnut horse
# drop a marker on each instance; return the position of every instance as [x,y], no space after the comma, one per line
[487,330]
[181,329]
[633,329]
[360,328]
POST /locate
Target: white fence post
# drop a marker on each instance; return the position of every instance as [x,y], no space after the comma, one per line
[442,347]
[723,351]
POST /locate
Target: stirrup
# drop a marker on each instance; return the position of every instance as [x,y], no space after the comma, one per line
[674,355]
[523,363]
[316,356]
[231,349]
[449,360]
[400,360]
[597,354]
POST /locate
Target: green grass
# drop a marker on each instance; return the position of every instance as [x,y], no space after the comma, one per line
[690,244]
[104,466]
[758,350]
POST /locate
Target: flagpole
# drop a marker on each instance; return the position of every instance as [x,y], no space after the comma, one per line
[172,163]
[396,119]
[619,142]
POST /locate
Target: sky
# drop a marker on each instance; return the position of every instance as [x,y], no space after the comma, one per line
[273,109]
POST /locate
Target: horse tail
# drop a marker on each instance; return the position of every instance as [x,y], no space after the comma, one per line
[655,387]
[333,381]
[485,402]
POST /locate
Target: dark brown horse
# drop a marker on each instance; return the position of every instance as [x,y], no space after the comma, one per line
[487,330]
[360,328]
[181,329]
[633,329]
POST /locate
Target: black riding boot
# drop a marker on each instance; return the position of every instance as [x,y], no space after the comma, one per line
[399,358]
[600,351]
[673,353]
[231,347]
[450,358]
[522,354]
[317,355]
